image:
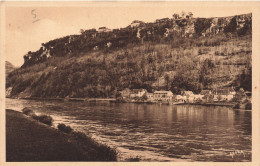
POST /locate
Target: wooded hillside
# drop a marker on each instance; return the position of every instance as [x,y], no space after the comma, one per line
[177,54]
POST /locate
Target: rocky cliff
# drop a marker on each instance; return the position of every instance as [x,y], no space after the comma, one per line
[178,53]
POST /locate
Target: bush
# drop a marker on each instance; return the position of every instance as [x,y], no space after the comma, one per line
[95,150]
[248,106]
[236,106]
[106,153]
[66,129]
[27,111]
[46,119]
[79,135]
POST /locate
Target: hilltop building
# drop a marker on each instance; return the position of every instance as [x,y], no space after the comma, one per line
[104,29]
[136,23]
[162,20]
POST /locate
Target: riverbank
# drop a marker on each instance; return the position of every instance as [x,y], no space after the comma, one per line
[72,99]
[30,140]
[210,104]
[113,100]
[182,103]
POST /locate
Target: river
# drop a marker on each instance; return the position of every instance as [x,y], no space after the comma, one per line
[154,132]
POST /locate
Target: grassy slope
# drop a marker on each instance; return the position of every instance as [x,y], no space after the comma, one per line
[28,140]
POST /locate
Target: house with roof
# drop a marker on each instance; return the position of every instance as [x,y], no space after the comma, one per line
[187,93]
[150,97]
[125,93]
[207,95]
[176,16]
[197,97]
[137,93]
[224,94]
[103,29]
[180,98]
[162,20]
[163,96]
[205,92]
[136,23]
[188,96]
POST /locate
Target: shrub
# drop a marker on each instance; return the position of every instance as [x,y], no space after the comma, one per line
[27,111]
[248,106]
[79,135]
[34,116]
[66,129]
[236,106]
[95,150]
[46,119]
[106,153]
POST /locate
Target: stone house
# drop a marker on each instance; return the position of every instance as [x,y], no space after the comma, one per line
[197,97]
[162,20]
[180,98]
[224,94]
[188,95]
[150,97]
[125,93]
[136,23]
[164,96]
[137,93]
[104,29]
[207,95]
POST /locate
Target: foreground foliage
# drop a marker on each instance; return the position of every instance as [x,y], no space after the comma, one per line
[29,141]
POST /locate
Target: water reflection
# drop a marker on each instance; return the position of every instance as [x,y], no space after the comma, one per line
[162,131]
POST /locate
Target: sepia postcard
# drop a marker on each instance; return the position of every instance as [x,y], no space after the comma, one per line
[133,83]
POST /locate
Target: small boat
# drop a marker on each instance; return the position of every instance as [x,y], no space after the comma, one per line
[178,103]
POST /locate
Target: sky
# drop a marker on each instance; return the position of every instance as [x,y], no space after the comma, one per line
[27,27]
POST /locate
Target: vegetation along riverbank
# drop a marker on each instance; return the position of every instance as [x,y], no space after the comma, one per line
[29,137]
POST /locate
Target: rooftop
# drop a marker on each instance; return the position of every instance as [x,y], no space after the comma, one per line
[162,92]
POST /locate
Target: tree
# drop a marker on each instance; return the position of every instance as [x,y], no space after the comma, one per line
[144,97]
[167,78]
[219,97]
[183,14]
[82,31]
[205,71]
[190,14]
[25,57]
[244,80]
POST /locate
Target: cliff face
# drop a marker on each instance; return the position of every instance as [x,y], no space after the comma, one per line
[162,29]
[181,53]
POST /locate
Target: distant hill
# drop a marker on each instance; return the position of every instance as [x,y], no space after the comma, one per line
[8,68]
[178,53]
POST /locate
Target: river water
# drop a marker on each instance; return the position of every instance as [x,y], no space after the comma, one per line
[154,132]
